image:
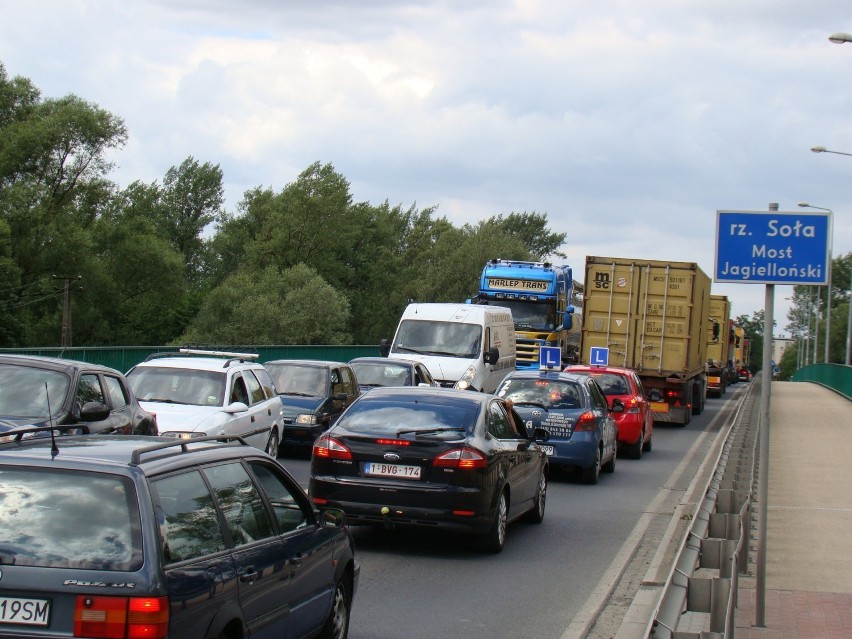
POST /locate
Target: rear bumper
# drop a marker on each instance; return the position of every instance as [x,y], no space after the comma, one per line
[578,452]
[300,434]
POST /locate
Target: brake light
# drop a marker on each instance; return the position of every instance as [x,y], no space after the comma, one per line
[633,405]
[464,458]
[121,617]
[393,442]
[329,448]
[586,422]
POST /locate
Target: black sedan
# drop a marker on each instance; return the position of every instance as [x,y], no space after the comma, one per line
[41,391]
[431,457]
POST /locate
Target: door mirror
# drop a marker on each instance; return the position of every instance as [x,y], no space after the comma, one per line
[617,406]
[654,395]
[492,355]
[384,347]
[94,412]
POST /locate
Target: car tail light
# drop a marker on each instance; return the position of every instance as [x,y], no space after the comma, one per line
[586,422]
[393,442]
[329,448]
[633,405]
[121,617]
[461,458]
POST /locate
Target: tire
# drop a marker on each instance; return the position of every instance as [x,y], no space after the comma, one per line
[495,538]
[647,445]
[536,515]
[590,475]
[273,443]
[337,624]
[634,451]
[609,467]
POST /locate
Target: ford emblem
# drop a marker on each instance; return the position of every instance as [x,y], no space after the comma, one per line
[536,413]
[391,456]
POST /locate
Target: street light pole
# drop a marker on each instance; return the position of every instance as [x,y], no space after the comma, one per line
[840,38]
[828,274]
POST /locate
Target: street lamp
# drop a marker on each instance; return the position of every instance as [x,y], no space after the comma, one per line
[828,296]
[822,149]
[840,38]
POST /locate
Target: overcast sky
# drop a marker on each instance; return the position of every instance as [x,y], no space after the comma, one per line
[628,123]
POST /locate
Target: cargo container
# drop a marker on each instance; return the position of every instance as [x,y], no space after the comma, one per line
[719,356]
[650,316]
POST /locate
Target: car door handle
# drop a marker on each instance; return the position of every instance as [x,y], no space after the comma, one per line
[250,575]
[252,419]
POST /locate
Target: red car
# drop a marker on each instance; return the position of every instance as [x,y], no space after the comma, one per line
[636,422]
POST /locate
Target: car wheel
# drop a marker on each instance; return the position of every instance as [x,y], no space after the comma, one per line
[634,451]
[536,515]
[493,540]
[272,444]
[647,445]
[337,624]
[609,467]
[591,474]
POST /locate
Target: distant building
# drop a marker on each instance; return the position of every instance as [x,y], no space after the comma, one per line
[779,345]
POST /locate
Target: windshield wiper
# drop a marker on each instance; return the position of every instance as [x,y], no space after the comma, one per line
[517,403]
[164,400]
[431,431]
[410,350]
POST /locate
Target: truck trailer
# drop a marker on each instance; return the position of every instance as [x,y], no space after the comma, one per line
[545,306]
[650,316]
[719,356]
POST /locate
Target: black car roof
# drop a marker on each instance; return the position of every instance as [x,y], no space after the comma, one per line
[53,363]
[421,393]
[116,452]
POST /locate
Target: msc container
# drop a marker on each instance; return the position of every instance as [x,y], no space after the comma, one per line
[652,317]
[719,358]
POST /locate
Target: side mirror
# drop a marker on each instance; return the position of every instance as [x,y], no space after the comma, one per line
[236,407]
[568,318]
[617,406]
[541,434]
[492,355]
[340,397]
[654,395]
[384,347]
[332,518]
[94,412]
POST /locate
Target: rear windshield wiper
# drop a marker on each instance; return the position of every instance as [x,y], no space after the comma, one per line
[431,431]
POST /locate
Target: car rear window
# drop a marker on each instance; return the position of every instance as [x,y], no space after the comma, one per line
[68,519]
[612,384]
[548,393]
[395,416]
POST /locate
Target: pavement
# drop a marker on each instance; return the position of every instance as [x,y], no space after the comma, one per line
[808,586]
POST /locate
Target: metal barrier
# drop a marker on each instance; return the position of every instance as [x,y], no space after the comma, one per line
[837,377]
[699,599]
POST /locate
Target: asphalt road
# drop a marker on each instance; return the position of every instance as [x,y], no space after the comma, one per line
[424,584]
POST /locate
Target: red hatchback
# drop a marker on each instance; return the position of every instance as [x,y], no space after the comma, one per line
[636,423]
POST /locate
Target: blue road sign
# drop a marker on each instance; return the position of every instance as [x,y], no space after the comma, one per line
[598,356]
[760,247]
[550,357]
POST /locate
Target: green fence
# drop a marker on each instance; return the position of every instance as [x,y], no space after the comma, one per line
[123,358]
[837,377]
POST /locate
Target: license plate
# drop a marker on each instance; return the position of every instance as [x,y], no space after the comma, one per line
[660,407]
[392,470]
[549,450]
[26,612]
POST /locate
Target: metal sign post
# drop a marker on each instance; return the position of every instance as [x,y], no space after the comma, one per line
[758,247]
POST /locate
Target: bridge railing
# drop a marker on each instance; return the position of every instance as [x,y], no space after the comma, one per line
[837,377]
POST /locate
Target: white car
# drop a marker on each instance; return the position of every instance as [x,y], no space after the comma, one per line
[197,393]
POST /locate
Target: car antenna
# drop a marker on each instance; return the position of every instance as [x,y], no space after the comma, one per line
[54,449]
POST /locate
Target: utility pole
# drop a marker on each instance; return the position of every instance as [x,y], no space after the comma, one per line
[66,305]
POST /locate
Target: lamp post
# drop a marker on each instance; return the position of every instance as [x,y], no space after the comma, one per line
[822,149]
[828,273]
[840,38]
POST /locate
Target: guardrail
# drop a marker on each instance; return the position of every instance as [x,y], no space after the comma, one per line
[837,377]
[700,595]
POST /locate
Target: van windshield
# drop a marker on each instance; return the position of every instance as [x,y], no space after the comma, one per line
[450,339]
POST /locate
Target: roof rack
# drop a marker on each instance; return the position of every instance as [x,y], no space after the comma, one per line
[17,434]
[183,444]
[232,357]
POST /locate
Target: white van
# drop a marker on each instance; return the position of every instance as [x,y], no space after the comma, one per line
[469,343]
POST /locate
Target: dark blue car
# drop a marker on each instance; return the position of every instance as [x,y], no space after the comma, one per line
[573,409]
[314,394]
[129,536]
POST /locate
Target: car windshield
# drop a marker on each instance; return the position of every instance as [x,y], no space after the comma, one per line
[27,392]
[611,383]
[447,418]
[178,385]
[547,393]
[297,379]
[381,374]
[439,338]
[77,520]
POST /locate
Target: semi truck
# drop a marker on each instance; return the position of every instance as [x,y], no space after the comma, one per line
[650,316]
[544,300]
[719,356]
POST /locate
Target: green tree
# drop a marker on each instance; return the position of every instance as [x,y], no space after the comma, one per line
[753,327]
[268,306]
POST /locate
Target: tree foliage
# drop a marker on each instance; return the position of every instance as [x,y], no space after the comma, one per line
[163,262]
